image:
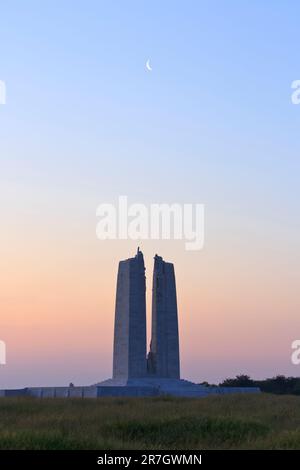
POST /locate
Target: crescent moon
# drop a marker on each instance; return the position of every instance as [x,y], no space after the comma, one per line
[148,66]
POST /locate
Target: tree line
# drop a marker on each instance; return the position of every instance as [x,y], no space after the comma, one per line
[279,385]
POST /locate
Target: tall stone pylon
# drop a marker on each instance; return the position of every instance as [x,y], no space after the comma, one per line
[163,358]
[129,360]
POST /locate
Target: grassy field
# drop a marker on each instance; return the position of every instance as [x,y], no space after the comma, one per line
[220,422]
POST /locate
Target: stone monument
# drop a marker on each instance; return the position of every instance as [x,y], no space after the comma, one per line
[163,357]
[129,356]
[135,373]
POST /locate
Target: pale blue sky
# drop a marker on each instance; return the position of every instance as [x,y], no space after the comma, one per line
[215,111]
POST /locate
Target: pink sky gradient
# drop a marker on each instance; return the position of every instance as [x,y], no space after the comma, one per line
[238,307]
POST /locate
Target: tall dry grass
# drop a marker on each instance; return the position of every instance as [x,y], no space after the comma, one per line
[220,422]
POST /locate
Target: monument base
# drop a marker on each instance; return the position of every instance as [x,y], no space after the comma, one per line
[139,387]
[164,386]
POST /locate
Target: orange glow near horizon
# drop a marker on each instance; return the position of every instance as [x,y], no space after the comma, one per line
[59,299]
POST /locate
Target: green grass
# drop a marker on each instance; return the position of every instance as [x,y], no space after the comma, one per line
[216,422]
